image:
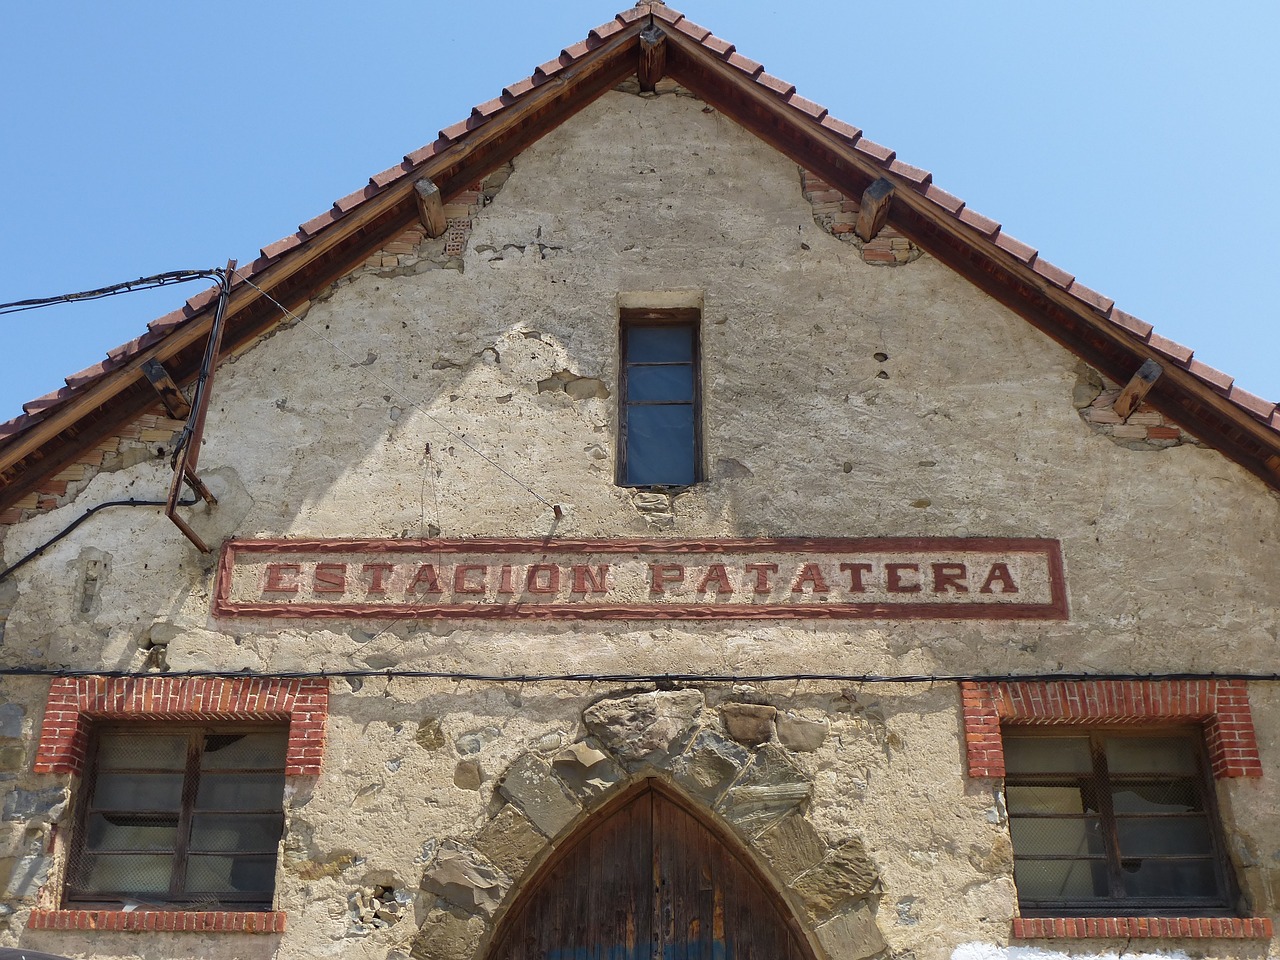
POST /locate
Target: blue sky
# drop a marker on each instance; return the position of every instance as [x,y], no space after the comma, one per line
[1132,143]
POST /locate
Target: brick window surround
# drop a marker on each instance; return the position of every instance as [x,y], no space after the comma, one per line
[74,703]
[1221,706]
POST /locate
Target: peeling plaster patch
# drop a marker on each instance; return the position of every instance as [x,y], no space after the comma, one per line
[991,951]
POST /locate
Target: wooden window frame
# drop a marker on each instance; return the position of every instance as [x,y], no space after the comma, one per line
[176,898]
[643,317]
[1118,903]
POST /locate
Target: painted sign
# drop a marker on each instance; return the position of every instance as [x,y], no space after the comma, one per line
[879,578]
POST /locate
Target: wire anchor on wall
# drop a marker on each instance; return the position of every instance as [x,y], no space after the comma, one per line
[187,452]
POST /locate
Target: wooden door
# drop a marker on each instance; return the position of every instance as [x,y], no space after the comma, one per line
[648,879]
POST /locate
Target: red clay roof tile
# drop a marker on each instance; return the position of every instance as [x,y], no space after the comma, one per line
[519,88]
[692,30]
[1215,378]
[250,269]
[53,398]
[605,30]
[875,151]
[283,245]
[1139,328]
[576,50]
[1054,274]
[391,174]
[354,199]
[746,64]
[807,106]
[908,172]
[840,128]
[548,69]
[454,131]
[11,428]
[1256,405]
[488,108]
[634,14]
[721,47]
[1090,296]
[88,374]
[1017,248]
[170,320]
[1170,348]
[984,225]
[776,84]
[666,14]
[947,201]
[202,299]
[422,154]
[318,223]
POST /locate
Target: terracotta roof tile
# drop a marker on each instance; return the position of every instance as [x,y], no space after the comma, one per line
[984,225]
[1215,378]
[1020,250]
[318,223]
[88,374]
[807,106]
[875,151]
[908,172]
[634,14]
[1139,328]
[666,14]
[283,245]
[748,66]
[488,108]
[11,428]
[355,198]
[423,154]
[1260,408]
[548,69]
[605,30]
[576,50]
[1054,274]
[519,88]
[1090,296]
[173,318]
[840,128]
[453,131]
[250,269]
[1275,419]
[125,349]
[391,174]
[202,299]
[777,85]
[721,47]
[1170,348]
[50,400]
[947,201]
[692,30]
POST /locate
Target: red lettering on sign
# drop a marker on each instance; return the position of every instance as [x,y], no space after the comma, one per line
[380,571]
[762,571]
[855,572]
[582,575]
[275,582]
[543,578]
[893,574]
[660,573]
[999,574]
[426,574]
[460,584]
[331,578]
[811,574]
[950,575]
[716,572]
[506,583]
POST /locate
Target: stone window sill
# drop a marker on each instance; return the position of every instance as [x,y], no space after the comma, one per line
[157,921]
[1081,928]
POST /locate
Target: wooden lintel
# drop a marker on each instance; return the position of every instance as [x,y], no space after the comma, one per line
[873,209]
[653,57]
[430,207]
[174,402]
[1137,388]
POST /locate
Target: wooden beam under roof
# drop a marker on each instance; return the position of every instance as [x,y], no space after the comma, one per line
[430,207]
[1137,388]
[653,57]
[873,209]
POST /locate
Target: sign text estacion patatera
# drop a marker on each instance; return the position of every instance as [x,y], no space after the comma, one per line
[881,578]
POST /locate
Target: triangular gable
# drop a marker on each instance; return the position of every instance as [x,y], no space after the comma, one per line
[649,40]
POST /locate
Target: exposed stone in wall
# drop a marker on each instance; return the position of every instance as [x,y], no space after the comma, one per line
[1145,429]
[837,214]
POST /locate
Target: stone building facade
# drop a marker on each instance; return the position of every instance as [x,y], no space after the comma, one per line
[957,641]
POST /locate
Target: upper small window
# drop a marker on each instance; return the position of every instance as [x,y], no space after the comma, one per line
[1114,822]
[659,408]
[180,817]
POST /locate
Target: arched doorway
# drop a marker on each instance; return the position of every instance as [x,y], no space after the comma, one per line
[649,877]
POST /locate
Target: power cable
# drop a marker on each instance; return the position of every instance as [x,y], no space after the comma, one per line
[128,286]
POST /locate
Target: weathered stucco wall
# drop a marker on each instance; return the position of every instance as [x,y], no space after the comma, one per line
[357,422]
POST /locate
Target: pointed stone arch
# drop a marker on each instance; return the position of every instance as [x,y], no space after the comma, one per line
[650,874]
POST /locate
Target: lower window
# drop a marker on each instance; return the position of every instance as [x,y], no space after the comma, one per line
[185,818]
[1114,822]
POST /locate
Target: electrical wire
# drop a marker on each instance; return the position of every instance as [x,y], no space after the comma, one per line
[7,571]
[407,399]
[128,286]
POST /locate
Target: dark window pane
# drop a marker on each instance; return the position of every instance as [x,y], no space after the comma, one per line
[141,751]
[240,791]
[127,873]
[1176,836]
[1033,799]
[131,831]
[1051,836]
[1060,879]
[1178,796]
[1169,878]
[660,445]
[135,791]
[1150,755]
[669,343]
[258,751]
[231,832]
[214,875]
[1047,754]
[660,383]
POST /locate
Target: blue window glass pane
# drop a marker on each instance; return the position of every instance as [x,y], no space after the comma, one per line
[660,445]
[660,383]
[665,344]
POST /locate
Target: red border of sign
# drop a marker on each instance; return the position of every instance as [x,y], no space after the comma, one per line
[1055,609]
